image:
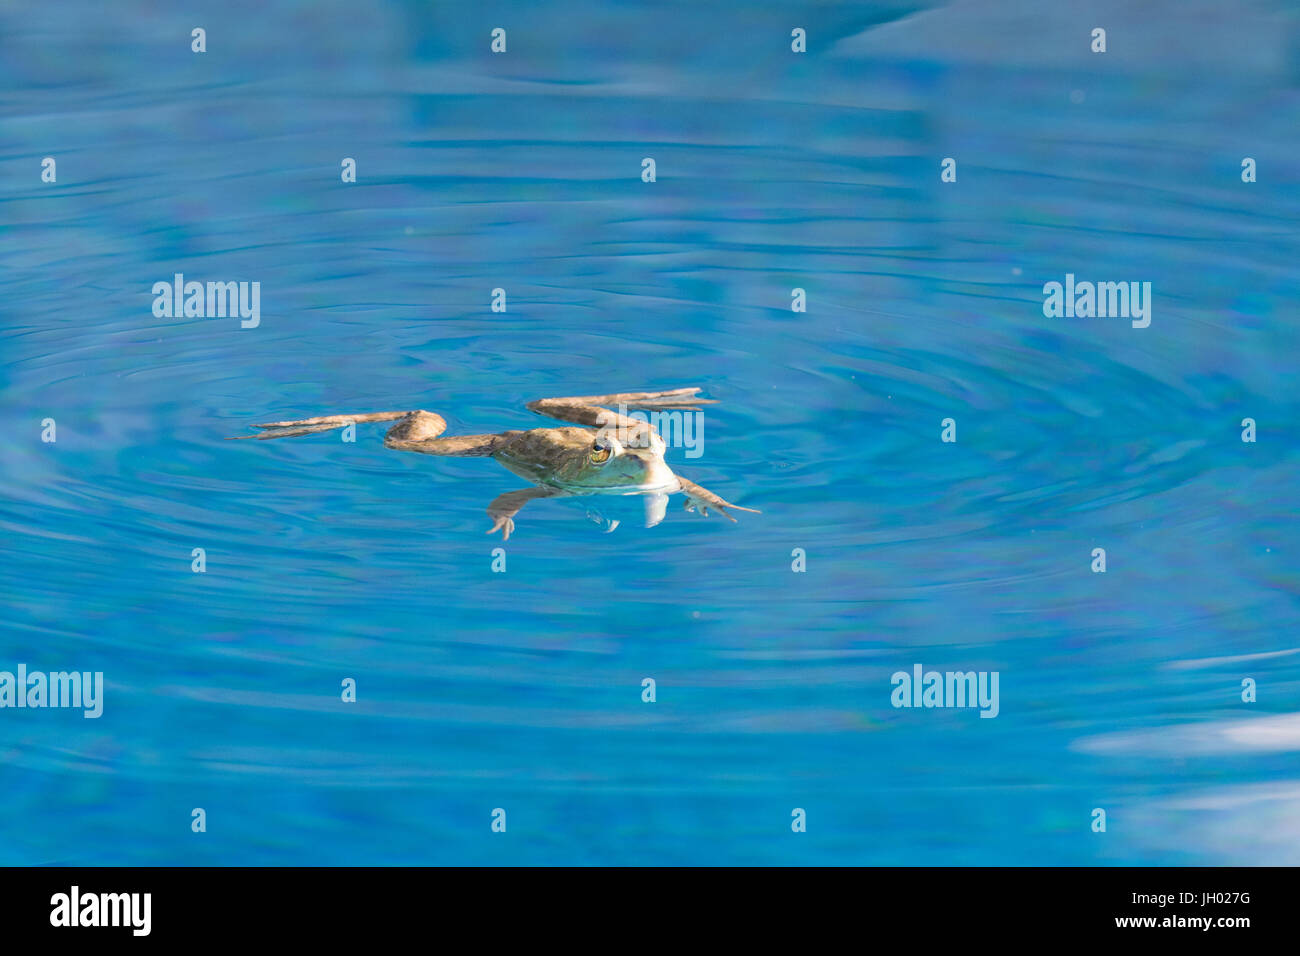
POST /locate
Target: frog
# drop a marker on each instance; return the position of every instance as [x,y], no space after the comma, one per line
[598,452]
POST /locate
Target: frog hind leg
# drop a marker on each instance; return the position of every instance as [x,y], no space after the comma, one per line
[324,423]
[415,431]
[594,409]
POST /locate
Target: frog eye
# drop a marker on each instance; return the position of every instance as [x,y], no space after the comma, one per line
[600,453]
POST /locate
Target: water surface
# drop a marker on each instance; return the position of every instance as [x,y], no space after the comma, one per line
[775,171]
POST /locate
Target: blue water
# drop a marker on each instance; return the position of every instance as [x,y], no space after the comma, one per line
[775,170]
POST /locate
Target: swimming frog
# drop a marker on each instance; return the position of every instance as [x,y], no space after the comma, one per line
[603,453]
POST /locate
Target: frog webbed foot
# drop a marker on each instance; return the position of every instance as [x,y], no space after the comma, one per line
[504,507]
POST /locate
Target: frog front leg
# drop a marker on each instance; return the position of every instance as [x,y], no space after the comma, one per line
[504,507]
[703,499]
